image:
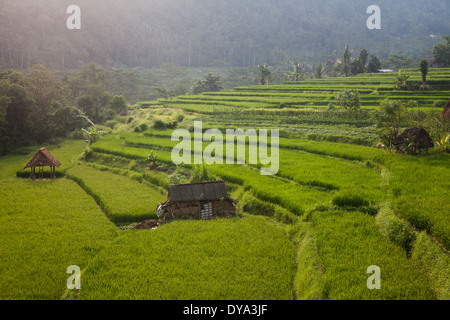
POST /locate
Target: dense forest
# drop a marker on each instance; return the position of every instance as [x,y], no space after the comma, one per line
[52,79]
[195,33]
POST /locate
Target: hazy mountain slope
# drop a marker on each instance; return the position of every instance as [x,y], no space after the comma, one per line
[142,33]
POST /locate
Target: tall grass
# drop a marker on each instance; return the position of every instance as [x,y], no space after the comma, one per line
[332,174]
[290,195]
[435,262]
[232,259]
[348,243]
[46,226]
[420,186]
[123,199]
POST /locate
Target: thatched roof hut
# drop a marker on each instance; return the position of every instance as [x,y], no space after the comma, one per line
[446,112]
[43,158]
[207,200]
[413,139]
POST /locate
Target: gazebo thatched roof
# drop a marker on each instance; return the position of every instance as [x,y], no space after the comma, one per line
[43,158]
[446,112]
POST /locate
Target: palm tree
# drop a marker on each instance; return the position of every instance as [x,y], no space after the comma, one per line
[264,74]
[297,74]
[319,71]
[344,63]
[328,68]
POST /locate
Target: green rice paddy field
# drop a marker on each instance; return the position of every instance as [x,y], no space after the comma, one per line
[336,206]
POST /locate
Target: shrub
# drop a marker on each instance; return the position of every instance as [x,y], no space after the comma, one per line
[161,125]
[348,99]
[439,104]
[77,135]
[119,104]
[111,123]
[141,128]
[180,117]
[350,200]
[201,173]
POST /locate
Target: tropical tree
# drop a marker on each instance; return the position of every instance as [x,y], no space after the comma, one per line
[48,94]
[401,80]
[164,93]
[359,64]
[319,71]
[328,68]
[344,62]
[210,83]
[441,52]
[263,75]
[374,64]
[399,61]
[297,74]
[389,118]
[95,104]
[424,71]
[119,104]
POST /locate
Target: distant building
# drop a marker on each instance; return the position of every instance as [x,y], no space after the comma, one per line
[385,70]
[201,201]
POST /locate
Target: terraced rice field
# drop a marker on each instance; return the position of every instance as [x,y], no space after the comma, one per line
[336,206]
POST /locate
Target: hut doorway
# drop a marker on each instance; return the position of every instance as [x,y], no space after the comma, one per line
[206,210]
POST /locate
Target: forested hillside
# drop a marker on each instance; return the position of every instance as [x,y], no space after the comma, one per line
[195,33]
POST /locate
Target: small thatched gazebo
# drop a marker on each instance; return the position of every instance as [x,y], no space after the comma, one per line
[43,158]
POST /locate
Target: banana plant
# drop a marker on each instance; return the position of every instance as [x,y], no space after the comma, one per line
[92,132]
[444,143]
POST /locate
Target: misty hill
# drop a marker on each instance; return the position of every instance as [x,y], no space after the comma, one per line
[142,33]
